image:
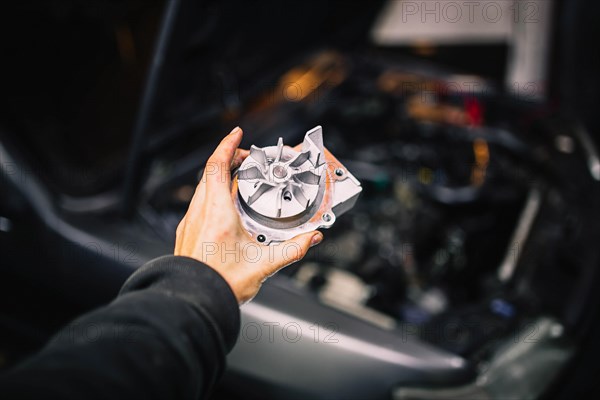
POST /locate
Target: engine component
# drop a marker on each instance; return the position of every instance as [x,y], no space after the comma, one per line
[282,192]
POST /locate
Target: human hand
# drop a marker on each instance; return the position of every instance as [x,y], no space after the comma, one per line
[211,231]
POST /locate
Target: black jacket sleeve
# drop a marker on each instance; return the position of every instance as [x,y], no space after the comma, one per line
[164,337]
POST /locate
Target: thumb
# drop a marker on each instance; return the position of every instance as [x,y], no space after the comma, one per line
[217,172]
[292,250]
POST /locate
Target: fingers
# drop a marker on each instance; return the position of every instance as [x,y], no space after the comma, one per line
[239,157]
[292,250]
[316,238]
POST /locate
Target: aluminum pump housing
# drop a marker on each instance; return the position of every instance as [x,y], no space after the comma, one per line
[282,191]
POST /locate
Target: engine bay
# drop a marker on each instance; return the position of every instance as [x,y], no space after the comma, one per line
[466,227]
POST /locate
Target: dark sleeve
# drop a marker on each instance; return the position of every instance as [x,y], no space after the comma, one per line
[164,337]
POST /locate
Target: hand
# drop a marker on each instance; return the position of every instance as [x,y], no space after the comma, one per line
[211,231]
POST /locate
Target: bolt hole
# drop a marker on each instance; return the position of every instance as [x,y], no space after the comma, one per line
[287,196]
[327,217]
[339,172]
[261,238]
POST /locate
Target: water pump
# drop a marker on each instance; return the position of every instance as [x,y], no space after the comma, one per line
[282,191]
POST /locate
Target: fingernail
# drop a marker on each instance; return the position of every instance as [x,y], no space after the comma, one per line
[316,239]
[235,131]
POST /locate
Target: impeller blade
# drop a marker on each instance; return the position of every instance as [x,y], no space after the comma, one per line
[279,149]
[300,159]
[262,189]
[251,173]
[308,177]
[259,156]
[313,142]
[299,195]
[279,200]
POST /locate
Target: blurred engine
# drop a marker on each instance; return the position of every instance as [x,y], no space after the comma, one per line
[466,225]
